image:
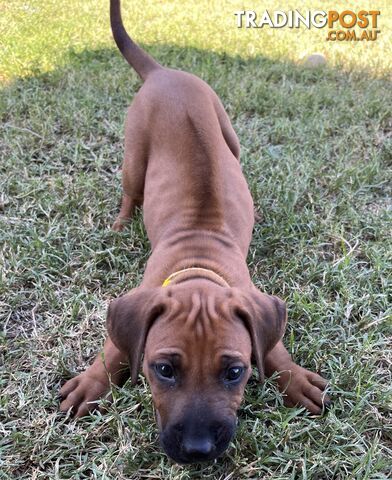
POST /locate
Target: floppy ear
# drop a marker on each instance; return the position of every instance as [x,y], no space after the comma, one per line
[129,319]
[265,317]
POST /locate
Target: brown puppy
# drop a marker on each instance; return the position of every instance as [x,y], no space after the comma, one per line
[196,316]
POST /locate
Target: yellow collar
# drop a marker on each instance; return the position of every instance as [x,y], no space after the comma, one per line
[201,272]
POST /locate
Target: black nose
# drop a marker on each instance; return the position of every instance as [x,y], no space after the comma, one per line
[198,447]
[195,440]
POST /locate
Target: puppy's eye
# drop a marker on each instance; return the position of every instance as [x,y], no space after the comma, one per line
[164,370]
[234,373]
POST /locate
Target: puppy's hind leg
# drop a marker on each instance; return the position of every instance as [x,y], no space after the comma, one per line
[128,205]
[227,129]
[133,172]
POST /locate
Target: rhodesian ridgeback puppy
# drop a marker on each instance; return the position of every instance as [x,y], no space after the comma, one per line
[196,315]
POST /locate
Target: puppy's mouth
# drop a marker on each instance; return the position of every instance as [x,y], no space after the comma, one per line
[187,442]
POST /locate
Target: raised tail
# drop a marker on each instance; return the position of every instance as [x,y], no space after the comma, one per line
[134,55]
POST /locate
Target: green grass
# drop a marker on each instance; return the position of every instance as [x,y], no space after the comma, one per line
[316,149]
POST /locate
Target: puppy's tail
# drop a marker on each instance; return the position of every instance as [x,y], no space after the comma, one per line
[134,55]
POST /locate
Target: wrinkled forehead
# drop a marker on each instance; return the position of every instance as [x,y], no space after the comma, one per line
[179,333]
[205,323]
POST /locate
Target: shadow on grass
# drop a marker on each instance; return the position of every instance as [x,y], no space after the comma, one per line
[295,106]
[245,85]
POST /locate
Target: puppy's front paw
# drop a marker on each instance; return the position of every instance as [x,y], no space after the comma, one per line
[304,388]
[82,394]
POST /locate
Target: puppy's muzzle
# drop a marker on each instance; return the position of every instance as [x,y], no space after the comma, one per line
[197,437]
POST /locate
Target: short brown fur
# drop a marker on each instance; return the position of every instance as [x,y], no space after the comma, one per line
[182,164]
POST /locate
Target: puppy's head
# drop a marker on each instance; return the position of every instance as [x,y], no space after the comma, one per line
[198,340]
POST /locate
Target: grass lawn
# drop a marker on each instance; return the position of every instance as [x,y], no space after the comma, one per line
[316,150]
